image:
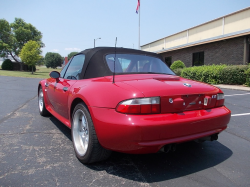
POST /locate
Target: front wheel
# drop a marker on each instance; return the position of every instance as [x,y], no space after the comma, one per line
[41,105]
[84,138]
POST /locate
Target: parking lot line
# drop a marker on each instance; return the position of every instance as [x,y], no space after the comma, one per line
[237,94]
[244,114]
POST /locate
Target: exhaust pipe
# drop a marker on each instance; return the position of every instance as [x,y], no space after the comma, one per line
[168,148]
[207,138]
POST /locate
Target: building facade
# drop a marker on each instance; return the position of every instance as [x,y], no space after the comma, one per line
[225,40]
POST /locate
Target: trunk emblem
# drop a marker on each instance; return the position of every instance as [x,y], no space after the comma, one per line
[187,85]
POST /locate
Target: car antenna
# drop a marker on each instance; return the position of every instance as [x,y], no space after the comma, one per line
[114,61]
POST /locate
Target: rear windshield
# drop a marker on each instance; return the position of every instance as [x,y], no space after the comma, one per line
[129,63]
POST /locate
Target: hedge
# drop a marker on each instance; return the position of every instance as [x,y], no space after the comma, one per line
[234,74]
[248,76]
[209,74]
[219,74]
[178,71]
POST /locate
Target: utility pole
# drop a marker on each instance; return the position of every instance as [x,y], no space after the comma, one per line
[95,40]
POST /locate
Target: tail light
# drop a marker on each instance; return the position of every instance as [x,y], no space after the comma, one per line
[220,99]
[150,105]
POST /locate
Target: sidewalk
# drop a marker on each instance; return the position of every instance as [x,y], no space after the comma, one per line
[233,87]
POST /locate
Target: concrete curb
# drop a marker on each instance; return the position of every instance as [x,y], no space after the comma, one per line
[233,87]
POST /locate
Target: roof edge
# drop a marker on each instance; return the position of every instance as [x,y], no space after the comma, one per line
[198,25]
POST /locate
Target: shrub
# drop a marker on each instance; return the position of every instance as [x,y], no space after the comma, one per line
[177,64]
[7,65]
[248,76]
[234,74]
[178,71]
[208,74]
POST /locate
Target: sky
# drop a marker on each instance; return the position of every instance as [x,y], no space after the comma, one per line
[72,25]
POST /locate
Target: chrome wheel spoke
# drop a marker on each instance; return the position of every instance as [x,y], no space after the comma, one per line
[80,132]
[40,100]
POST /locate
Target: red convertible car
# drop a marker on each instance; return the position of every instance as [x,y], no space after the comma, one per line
[117,99]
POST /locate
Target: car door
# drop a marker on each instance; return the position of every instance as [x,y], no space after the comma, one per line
[50,85]
[64,85]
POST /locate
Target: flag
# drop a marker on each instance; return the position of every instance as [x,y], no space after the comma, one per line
[138,6]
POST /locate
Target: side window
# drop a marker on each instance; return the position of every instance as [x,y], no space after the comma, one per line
[64,69]
[75,67]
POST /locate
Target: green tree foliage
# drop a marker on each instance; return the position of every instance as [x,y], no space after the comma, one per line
[52,60]
[177,64]
[13,37]
[7,65]
[41,62]
[71,54]
[30,53]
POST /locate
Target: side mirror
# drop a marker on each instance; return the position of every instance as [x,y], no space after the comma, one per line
[54,75]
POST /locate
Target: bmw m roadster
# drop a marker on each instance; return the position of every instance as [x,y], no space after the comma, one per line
[117,99]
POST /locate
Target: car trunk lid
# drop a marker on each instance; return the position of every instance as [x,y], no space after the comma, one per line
[177,94]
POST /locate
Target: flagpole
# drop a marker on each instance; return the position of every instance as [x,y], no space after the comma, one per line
[139,24]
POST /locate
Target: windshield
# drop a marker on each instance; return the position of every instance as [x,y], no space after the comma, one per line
[129,63]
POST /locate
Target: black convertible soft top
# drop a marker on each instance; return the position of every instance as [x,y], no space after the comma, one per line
[95,64]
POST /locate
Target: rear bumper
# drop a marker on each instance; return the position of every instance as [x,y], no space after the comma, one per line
[140,134]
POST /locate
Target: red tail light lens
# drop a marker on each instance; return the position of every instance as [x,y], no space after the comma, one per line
[150,105]
[220,99]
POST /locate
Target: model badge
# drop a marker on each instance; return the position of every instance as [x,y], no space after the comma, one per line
[187,85]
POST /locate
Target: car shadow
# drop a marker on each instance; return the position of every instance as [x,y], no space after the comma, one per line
[64,129]
[189,157]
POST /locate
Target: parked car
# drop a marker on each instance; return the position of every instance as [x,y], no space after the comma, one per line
[125,100]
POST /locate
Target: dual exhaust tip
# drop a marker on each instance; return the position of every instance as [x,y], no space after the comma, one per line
[172,147]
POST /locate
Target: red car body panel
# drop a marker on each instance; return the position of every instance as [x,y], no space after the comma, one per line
[148,133]
[140,133]
[184,114]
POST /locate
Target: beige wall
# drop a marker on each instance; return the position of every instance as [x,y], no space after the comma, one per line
[205,31]
[156,46]
[238,21]
[177,39]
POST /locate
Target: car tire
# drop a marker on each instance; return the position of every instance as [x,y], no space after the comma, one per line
[41,105]
[86,145]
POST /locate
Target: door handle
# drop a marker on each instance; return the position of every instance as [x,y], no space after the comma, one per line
[65,89]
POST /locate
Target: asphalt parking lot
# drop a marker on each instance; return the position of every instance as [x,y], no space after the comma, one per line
[38,151]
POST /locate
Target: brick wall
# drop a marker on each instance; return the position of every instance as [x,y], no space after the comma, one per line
[230,51]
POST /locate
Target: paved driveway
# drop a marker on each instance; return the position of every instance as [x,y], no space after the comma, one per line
[38,151]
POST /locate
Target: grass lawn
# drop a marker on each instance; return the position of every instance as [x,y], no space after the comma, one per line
[41,72]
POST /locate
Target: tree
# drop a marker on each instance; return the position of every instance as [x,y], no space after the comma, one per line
[53,60]
[13,37]
[41,62]
[71,54]
[30,53]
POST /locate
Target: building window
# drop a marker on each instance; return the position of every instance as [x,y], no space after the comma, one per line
[198,59]
[168,61]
